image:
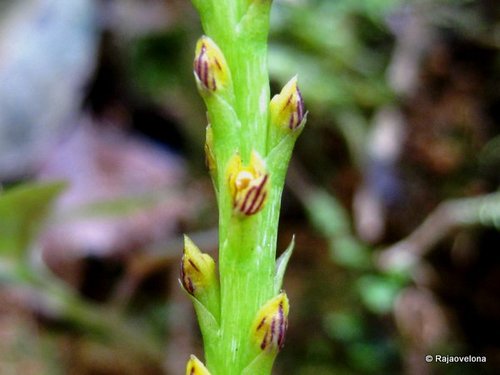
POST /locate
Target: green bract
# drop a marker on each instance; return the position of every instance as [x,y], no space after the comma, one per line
[243,316]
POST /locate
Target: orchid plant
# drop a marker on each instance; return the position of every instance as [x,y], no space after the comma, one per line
[241,309]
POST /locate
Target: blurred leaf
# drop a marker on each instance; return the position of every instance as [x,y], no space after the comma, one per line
[347,251]
[117,207]
[22,210]
[354,128]
[378,293]
[158,61]
[366,357]
[331,220]
[327,215]
[344,326]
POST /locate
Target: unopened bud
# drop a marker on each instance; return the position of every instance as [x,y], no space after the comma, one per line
[248,185]
[209,150]
[287,108]
[196,367]
[271,323]
[197,269]
[210,67]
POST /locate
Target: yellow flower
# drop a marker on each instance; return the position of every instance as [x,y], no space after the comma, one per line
[270,325]
[287,108]
[249,185]
[210,67]
[197,269]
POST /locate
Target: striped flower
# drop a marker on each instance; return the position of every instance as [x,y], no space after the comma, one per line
[210,68]
[197,269]
[287,108]
[249,186]
[271,323]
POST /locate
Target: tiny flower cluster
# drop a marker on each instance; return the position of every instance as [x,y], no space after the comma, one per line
[249,185]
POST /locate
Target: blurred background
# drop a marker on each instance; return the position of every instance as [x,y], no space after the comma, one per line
[392,193]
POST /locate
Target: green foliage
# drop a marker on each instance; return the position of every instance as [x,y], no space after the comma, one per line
[331,220]
[154,67]
[323,39]
[22,211]
[344,326]
[379,292]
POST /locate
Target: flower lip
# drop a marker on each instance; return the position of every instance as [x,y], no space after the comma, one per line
[254,197]
[243,179]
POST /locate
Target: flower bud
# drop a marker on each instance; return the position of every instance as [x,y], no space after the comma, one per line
[271,323]
[249,185]
[197,269]
[209,150]
[287,108]
[210,67]
[196,367]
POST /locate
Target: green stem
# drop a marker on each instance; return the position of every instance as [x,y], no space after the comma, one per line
[239,114]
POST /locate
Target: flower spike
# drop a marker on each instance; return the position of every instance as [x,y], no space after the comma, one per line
[196,367]
[270,325]
[210,67]
[287,108]
[249,186]
[197,269]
